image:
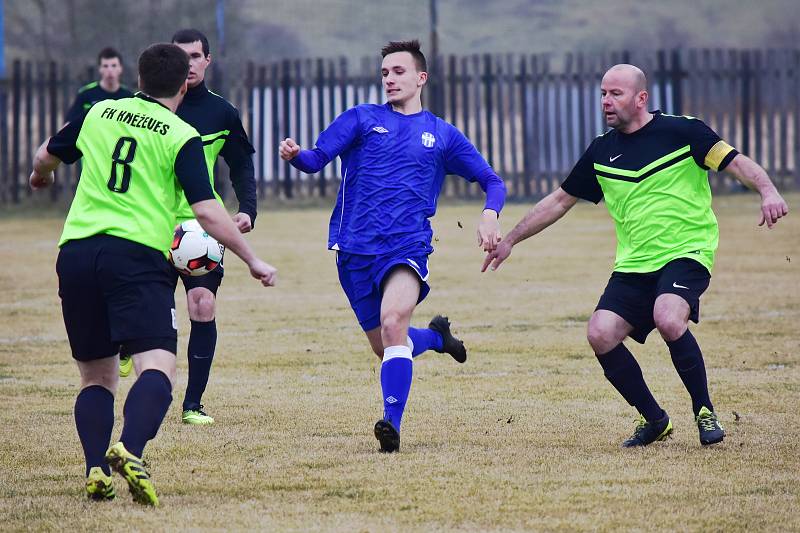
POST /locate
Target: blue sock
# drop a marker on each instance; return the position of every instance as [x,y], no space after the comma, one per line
[396,372]
[145,407]
[624,373]
[688,361]
[422,340]
[202,342]
[94,419]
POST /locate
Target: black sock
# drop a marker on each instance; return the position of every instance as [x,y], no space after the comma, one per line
[145,407]
[202,342]
[622,370]
[688,361]
[94,419]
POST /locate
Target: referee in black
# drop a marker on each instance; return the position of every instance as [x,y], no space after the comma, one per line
[223,134]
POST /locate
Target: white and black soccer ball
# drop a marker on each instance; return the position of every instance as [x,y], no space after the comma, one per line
[193,251]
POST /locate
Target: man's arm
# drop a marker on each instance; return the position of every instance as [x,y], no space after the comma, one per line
[44,164]
[336,138]
[551,208]
[238,154]
[192,174]
[308,161]
[753,175]
[243,180]
[215,220]
[462,158]
[489,225]
[59,148]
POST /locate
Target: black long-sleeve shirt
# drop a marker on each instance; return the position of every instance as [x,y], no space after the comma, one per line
[220,127]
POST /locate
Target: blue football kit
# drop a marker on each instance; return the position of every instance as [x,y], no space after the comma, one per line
[393,169]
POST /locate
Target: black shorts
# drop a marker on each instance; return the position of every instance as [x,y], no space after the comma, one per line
[210,281]
[117,296]
[632,295]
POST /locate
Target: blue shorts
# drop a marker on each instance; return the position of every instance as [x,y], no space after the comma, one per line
[362,278]
[117,296]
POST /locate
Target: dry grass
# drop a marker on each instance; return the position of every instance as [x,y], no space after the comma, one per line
[523,437]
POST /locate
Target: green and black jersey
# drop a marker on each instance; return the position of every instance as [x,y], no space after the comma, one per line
[221,130]
[655,184]
[138,157]
[90,94]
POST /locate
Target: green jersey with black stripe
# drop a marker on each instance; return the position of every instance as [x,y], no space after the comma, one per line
[655,185]
[90,94]
[128,185]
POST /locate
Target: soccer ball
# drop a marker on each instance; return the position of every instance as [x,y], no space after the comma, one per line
[193,251]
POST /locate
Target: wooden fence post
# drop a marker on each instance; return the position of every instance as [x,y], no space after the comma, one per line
[16,96]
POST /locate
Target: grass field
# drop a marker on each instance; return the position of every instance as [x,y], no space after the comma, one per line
[524,436]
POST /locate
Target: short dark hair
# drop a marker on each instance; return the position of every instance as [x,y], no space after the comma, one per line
[190,35]
[108,53]
[163,67]
[412,47]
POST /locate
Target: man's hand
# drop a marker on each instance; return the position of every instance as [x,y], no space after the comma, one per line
[40,181]
[288,149]
[263,272]
[497,256]
[243,222]
[773,207]
[489,230]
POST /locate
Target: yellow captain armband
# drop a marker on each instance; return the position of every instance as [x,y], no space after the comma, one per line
[717,154]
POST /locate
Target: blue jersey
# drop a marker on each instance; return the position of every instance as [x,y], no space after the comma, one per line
[393,168]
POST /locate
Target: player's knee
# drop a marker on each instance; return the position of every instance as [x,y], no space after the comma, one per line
[393,325]
[202,305]
[669,324]
[109,382]
[601,337]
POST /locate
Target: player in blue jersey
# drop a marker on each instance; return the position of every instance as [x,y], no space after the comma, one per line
[394,160]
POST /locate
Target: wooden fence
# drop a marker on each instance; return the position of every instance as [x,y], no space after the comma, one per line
[531,116]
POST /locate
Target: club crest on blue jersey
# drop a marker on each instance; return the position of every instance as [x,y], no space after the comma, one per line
[428,139]
[380,129]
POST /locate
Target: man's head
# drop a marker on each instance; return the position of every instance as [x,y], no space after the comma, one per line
[109,64]
[624,96]
[403,71]
[163,69]
[195,44]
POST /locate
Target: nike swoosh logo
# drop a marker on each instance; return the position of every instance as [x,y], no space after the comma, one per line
[678,286]
[612,159]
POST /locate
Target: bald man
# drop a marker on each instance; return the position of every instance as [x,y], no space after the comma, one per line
[652,171]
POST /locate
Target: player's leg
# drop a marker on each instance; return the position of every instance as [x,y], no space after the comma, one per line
[623,311]
[84,310]
[401,289]
[606,332]
[375,341]
[145,407]
[372,286]
[437,336]
[681,284]
[148,399]
[94,420]
[140,295]
[201,301]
